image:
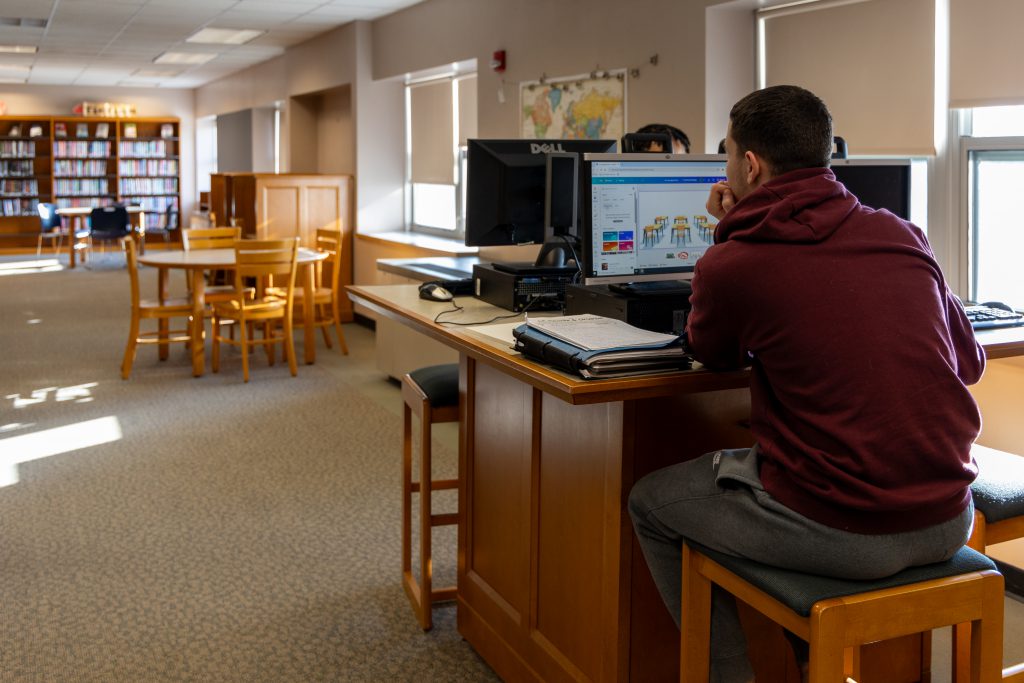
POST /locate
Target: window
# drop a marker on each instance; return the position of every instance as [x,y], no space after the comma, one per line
[994,156]
[440,115]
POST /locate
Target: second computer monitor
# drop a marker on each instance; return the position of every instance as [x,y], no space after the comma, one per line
[646,218]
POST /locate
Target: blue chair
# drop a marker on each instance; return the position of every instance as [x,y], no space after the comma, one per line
[108,224]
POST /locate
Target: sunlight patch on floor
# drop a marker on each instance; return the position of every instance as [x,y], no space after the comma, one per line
[26,267]
[15,450]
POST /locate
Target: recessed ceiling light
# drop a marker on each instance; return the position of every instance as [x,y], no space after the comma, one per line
[15,68]
[19,49]
[156,73]
[185,58]
[224,36]
[4,79]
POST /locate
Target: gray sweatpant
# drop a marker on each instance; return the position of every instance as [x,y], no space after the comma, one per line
[717,500]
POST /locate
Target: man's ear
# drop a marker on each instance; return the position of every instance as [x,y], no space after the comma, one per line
[756,170]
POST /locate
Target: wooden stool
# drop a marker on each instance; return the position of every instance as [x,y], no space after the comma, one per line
[432,393]
[836,614]
[998,509]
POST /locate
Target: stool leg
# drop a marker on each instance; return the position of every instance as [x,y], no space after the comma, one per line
[827,658]
[426,568]
[407,497]
[695,627]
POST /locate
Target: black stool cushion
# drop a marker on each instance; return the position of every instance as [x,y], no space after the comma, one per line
[440,383]
[800,591]
[998,491]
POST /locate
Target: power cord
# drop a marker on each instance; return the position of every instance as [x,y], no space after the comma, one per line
[455,308]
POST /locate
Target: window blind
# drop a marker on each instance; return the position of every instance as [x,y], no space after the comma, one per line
[984,52]
[871,61]
[430,106]
[467,109]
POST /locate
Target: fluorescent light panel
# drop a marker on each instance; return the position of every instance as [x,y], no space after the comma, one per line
[185,58]
[155,73]
[224,36]
[19,49]
[4,79]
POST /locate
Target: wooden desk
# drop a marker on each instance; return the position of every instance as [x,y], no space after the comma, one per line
[78,214]
[198,261]
[552,586]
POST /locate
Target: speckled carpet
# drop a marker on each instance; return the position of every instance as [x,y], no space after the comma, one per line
[168,528]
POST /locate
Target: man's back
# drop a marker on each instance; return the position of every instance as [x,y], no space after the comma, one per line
[860,355]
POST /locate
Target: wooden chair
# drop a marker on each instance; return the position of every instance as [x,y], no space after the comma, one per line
[998,510]
[212,238]
[263,260]
[837,616]
[432,393]
[158,310]
[326,295]
[680,229]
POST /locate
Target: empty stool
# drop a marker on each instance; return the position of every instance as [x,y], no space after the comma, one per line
[432,393]
[998,509]
[835,614]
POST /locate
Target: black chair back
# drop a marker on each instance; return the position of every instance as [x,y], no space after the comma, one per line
[48,218]
[109,222]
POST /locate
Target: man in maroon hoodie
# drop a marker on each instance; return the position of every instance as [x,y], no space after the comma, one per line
[859,355]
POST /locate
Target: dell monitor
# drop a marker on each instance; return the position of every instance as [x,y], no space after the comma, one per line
[505,190]
[877,183]
[646,217]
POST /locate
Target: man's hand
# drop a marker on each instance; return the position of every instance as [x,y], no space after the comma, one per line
[720,200]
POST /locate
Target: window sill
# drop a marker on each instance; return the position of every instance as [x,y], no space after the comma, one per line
[440,245]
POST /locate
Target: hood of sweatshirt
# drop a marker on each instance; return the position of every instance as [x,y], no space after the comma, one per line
[803,206]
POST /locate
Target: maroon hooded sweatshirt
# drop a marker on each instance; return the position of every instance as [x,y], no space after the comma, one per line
[859,355]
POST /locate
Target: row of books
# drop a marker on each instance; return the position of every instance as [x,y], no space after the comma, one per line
[18,207]
[149,186]
[19,168]
[75,168]
[596,347]
[94,150]
[153,204]
[143,148]
[82,188]
[75,202]
[17,148]
[29,187]
[140,167]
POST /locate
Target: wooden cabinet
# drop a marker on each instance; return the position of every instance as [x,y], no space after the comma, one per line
[86,161]
[280,205]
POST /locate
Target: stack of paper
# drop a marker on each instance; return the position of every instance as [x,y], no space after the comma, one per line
[595,347]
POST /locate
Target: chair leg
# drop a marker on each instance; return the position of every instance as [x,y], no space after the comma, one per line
[695,629]
[39,245]
[215,352]
[289,348]
[336,315]
[129,350]
[826,663]
[426,567]
[244,333]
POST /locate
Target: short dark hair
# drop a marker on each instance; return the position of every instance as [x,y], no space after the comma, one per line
[665,129]
[788,126]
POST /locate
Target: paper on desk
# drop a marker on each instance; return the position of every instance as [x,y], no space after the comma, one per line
[501,332]
[595,332]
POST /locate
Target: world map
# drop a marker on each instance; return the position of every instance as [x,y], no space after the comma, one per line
[574,109]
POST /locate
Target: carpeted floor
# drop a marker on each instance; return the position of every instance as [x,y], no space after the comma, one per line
[169,528]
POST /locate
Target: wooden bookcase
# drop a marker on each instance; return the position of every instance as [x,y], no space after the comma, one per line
[84,161]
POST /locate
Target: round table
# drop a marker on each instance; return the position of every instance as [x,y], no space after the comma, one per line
[78,214]
[198,261]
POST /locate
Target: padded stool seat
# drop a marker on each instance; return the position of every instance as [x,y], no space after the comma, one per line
[432,393]
[835,614]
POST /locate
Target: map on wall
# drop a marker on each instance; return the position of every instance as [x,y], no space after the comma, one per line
[580,108]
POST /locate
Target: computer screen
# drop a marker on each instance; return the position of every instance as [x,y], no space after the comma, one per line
[505,188]
[878,183]
[646,218]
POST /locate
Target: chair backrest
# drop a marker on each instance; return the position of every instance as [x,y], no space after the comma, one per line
[109,220]
[266,260]
[330,242]
[48,218]
[210,238]
[170,218]
[132,260]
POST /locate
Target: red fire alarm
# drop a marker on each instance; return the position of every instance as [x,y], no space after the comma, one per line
[498,61]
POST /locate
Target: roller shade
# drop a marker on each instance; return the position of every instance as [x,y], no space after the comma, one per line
[872,62]
[467,109]
[430,109]
[984,52]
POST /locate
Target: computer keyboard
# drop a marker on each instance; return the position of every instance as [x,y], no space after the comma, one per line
[987,317]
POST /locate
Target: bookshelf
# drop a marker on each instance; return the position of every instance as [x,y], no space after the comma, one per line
[79,161]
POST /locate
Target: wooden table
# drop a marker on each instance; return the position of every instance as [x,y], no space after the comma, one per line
[198,261]
[78,214]
[552,585]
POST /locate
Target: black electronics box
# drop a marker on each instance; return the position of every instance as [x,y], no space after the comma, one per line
[657,312]
[522,288]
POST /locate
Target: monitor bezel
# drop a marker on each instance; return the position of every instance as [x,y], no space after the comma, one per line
[905,162]
[586,222]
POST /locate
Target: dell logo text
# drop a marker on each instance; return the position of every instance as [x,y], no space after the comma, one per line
[545,148]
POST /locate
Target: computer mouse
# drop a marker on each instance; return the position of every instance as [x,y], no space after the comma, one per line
[434,292]
[997,304]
